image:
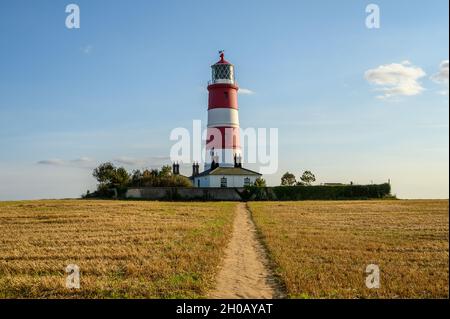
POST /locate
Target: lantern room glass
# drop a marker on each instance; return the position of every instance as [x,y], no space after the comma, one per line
[222,73]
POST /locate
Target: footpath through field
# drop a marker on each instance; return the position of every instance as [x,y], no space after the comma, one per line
[244,271]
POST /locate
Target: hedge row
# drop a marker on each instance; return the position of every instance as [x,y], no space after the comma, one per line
[340,192]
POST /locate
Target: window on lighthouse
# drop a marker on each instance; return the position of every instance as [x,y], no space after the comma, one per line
[222,73]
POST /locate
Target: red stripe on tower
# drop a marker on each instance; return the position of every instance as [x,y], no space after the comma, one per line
[223,141]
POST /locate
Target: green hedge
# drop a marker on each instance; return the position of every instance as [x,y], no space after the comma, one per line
[318,192]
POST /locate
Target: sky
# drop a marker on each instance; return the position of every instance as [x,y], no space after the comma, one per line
[351,103]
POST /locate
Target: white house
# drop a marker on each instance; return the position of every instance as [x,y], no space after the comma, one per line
[225,177]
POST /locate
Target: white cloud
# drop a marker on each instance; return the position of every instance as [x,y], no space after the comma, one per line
[129,161]
[442,77]
[396,79]
[142,162]
[87,49]
[54,162]
[245,91]
[83,159]
[88,163]
[78,162]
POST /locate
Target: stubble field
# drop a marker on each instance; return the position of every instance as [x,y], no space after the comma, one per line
[123,249]
[321,249]
[138,249]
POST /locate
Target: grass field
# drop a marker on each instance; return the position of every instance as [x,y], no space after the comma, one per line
[138,249]
[124,249]
[321,249]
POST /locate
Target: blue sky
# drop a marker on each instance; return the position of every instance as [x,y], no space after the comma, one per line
[116,87]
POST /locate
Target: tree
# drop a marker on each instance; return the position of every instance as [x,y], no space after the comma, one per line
[110,176]
[179,181]
[136,177]
[104,173]
[154,172]
[147,174]
[114,181]
[260,182]
[307,178]
[166,171]
[288,179]
[121,177]
[159,178]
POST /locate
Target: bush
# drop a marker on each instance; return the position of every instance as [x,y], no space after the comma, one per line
[113,182]
[332,192]
[162,181]
[256,193]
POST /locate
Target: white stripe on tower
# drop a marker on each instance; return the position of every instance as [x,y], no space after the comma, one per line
[223,117]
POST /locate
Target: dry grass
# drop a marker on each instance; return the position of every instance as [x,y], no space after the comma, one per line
[321,249]
[124,249]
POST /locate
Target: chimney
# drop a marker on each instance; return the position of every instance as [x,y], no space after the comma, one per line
[237,160]
[176,169]
[195,169]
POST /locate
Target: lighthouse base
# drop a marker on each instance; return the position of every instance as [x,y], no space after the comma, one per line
[224,157]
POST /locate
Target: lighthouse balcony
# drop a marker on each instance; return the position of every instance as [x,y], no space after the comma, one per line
[222,81]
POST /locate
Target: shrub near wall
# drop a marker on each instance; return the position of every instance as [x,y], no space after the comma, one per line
[254,193]
[331,192]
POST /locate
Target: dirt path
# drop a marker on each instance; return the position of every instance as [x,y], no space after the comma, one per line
[245,272]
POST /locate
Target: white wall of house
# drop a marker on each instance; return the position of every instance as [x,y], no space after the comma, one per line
[201,181]
[215,180]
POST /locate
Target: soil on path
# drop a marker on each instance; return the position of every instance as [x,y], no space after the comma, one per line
[244,272]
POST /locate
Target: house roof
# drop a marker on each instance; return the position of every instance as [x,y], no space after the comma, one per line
[228,171]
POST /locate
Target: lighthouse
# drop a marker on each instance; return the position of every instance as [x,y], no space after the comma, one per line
[223,141]
[223,163]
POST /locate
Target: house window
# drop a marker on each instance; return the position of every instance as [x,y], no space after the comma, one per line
[198,183]
[247,181]
[223,182]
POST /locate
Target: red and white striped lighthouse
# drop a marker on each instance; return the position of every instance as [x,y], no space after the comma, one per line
[223,145]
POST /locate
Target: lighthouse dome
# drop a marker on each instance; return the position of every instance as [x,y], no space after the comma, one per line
[222,71]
